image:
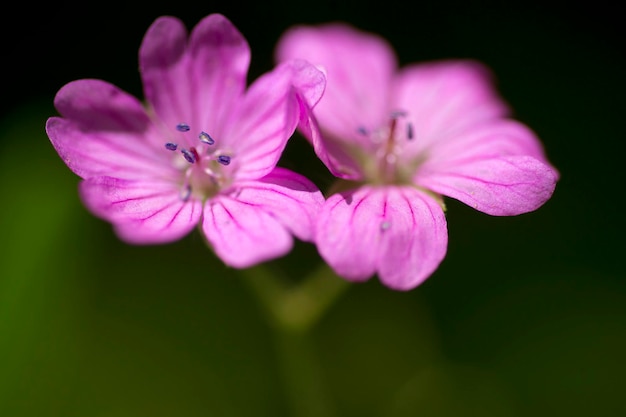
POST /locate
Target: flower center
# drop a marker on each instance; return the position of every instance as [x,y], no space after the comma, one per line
[201,162]
[384,167]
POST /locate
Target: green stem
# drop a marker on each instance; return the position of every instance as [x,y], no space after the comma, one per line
[304,380]
[293,312]
[300,307]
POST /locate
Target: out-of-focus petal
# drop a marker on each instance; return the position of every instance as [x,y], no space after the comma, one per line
[359,67]
[504,186]
[195,84]
[105,131]
[441,98]
[99,105]
[143,212]
[397,232]
[332,153]
[163,68]
[267,116]
[220,57]
[494,139]
[290,198]
[241,234]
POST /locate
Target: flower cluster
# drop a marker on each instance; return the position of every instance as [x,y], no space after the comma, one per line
[204,149]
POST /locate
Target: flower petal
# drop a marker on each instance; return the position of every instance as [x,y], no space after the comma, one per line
[494,139]
[220,58]
[398,232]
[290,198]
[359,67]
[197,84]
[416,239]
[143,212]
[331,152]
[243,235]
[265,119]
[444,97]
[504,186]
[348,232]
[105,131]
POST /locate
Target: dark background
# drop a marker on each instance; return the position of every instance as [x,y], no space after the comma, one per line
[526,315]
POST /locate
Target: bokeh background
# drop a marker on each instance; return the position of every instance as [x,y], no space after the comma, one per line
[526,315]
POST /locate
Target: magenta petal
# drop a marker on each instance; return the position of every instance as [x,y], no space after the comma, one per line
[104,131]
[182,81]
[444,97]
[504,186]
[290,198]
[332,154]
[163,68]
[395,231]
[349,230]
[265,119]
[359,67]
[494,139]
[220,58]
[243,235]
[416,239]
[497,167]
[143,212]
[100,106]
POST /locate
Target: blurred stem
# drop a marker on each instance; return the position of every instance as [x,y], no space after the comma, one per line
[293,312]
[299,307]
[304,381]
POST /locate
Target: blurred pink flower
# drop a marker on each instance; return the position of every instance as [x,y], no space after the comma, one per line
[407,137]
[204,151]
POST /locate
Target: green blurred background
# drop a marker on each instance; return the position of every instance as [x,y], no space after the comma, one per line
[526,315]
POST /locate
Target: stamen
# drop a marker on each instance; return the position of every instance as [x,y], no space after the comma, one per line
[185,193]
[171,146]
[183,127]
[206,138]
[397,114]
[189,155]
[223,159]
[362,130]
[409,131]
[385,226]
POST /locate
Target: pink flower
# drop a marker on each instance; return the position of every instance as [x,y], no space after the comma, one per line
[406,137]
[204,151]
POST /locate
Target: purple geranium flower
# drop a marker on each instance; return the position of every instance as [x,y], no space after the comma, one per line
[408,137]
[204,151]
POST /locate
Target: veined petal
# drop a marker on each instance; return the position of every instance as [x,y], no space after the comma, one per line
[308,81]
[99,105]
[268,115]
[348,233]
[290,198]
[163,68]
[331,152]
[398,232]
[105,131]
[220,57]
[494,139]
[359,67]
[143,212]
[241,234]
[504,186]
[416,239]
[196,83]
[442,98]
